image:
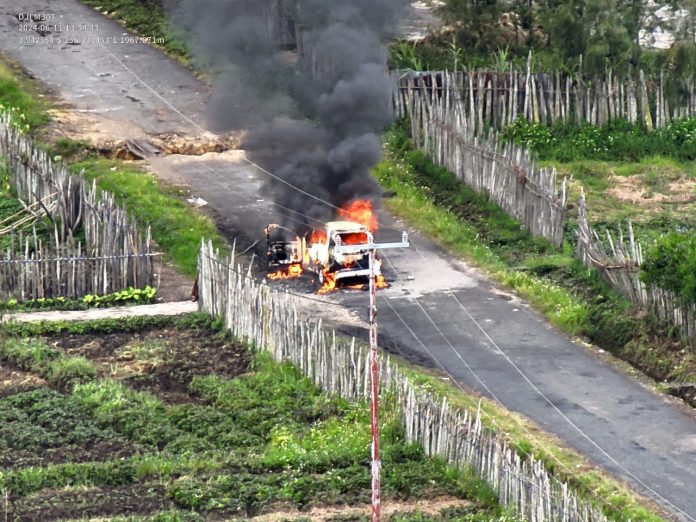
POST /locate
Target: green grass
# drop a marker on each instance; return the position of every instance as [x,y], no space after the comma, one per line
[146,19]
[176,227]
[23,95]
[651,176]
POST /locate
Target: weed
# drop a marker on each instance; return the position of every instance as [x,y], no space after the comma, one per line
[20,93]
[65,372]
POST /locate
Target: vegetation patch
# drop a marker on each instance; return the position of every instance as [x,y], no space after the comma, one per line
[23,96]
[122,297]
[66,503]
[43,427]
[618,140]
[146,19]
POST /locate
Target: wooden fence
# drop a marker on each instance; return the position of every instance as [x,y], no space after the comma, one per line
[618,260]
[497,99]
[32,270]
[270,321]
[115,253]
[441,126]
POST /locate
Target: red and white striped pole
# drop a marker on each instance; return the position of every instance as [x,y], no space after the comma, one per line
[374,392]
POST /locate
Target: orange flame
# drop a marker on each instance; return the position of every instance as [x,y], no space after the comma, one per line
[329,283]
[319,236]
[360,211]
[290,272]
[354,238]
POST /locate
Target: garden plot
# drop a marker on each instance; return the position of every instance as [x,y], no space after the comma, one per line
[177,420]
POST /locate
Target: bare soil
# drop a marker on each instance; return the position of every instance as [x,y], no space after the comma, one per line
[161,361]
[65,504]
[633,190]
[390,510]
[16,381]
[99,452]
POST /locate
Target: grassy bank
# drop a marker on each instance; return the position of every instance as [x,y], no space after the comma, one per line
[228,433]
[22,94]
[571,297]
[146,19]
[176,227]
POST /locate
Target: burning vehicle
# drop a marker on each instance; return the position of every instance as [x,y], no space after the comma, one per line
[321,251]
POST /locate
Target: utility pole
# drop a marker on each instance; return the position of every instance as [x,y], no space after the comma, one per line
[371,248]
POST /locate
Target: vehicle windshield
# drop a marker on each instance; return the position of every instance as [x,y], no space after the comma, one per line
[353,238]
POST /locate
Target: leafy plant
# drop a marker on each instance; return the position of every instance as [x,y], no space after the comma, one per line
[617,140]
[128,296]
[671,265]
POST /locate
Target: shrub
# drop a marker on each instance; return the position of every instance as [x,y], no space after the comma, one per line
[616,141]
[671,265]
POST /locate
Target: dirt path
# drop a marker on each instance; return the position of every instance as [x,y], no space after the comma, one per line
[118,312]
[437,306]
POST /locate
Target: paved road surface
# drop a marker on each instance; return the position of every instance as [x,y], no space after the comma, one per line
[486,339]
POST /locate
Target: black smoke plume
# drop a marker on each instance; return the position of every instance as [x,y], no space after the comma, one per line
[308,81]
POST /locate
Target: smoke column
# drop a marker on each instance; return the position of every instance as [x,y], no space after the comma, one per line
[307,80]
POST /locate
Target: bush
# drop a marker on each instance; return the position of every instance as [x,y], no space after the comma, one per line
[671,265]
[618,140]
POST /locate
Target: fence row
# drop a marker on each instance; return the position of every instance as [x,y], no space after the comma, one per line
[269,320]
[30,269]
[618,260]
[442,127]
[495,99]
[73,206]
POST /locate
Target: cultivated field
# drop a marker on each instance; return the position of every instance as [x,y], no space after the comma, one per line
[169,419]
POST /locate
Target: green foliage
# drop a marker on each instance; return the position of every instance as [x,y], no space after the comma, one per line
[273,395]
[671,265]
[67,371]
[29,480]
[194,320]
[19,96]
[176,227]
[68,149]
[31,355]
[128,296]
[40,419]
[146,18]
[616,141]
[34,355]
[165,516]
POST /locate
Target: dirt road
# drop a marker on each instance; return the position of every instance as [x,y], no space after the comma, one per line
[436,307]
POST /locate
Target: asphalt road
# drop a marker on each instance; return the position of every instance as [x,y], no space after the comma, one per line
[437,307]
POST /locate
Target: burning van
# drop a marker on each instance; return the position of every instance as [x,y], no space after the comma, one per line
[320,251]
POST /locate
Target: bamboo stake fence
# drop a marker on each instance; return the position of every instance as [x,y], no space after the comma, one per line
[496,99]
[618,260]
[115,253]
[270,321]
[441,126]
